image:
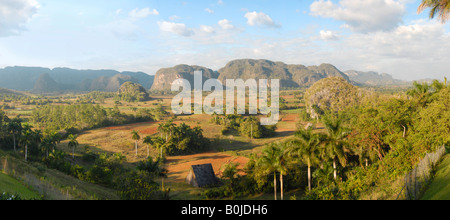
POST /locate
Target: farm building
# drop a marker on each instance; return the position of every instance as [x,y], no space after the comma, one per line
[201,176]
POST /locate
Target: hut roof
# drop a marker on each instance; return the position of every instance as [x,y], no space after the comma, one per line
[204,175]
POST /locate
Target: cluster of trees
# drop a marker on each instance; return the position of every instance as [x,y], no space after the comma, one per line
[247,126]
[25,100]
[35,143]
[83,116]
[180,140]
[95,96]
[365,145]
[174,140]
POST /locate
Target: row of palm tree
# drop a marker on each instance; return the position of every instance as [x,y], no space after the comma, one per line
[25,135]
[309,148]
[148,141]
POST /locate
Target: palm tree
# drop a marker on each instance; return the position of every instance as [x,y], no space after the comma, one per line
[15,127]
[335,142]
[161,129]
[306,148]
[73,143]
[135,136]
[55,138]
[166,128]
[441,7]
[26,138]
[46,145]
[154,168]
[282,164]
[269,163]
[149,141]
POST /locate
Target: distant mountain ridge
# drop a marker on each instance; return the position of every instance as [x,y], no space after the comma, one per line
[373,78]
[43,80]
[289,75]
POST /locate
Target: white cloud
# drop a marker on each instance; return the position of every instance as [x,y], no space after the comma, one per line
[14,14]
[177,28]
[362,16]
[413,51]
[139,14]
[417,41]
[209,10]
[226,24]
[207,29]
[260,19]
[328,35]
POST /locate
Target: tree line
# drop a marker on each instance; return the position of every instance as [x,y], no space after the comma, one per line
[87,116]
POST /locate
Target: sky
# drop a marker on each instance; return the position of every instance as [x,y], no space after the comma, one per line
[385,36]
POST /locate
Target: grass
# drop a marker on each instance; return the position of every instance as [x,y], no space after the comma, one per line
[11,185]
[439,188]
[51,184]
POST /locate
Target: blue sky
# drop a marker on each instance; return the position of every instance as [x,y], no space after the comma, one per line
[385,36]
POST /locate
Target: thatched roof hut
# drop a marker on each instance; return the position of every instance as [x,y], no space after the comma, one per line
[201,176]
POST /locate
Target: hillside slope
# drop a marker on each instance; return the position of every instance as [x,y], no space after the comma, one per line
[164,77]
[439,189]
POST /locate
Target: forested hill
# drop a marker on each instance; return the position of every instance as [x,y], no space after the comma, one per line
[40,79]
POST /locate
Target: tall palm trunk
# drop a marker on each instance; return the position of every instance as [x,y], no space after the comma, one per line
[309,176]
[26,152]
[334,167]
[136,147]
[275,184]
[281,185]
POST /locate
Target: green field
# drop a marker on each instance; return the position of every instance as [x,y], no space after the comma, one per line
[439,189]
[11,185]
